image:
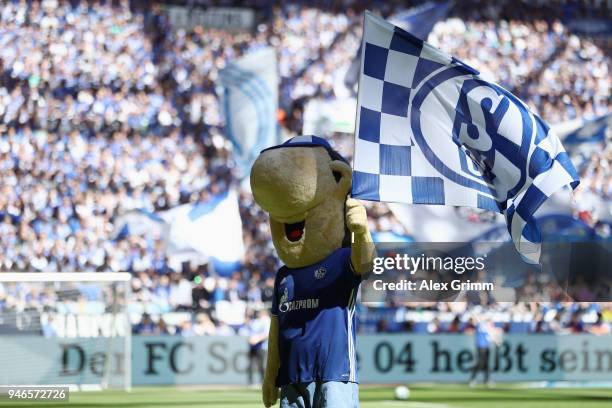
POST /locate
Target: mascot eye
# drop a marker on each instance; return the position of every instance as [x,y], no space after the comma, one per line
[337,176]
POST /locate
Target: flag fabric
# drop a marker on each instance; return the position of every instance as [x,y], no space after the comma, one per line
[429,130]
[591,131]
[138,222]
[250,102]
[419,21]
[210,230]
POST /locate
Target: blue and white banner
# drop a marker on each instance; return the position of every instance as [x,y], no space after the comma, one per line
[140,223]
[429,130]
[591,131]
[591,27]
[201,232]
[420,20]
[250,102]
[211,229]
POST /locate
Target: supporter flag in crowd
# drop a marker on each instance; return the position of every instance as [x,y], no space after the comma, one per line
[419,21]
[139,223]
[592,131]
[250,102]
[429,130]
[211,229]
[202,231]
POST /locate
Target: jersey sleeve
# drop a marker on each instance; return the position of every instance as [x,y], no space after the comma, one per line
[349,271]
[353,280]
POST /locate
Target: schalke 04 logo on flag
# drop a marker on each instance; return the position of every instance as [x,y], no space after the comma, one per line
[431,131]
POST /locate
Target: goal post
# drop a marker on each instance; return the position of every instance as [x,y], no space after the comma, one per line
[68,328]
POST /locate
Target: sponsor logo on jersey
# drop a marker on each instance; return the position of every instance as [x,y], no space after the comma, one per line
[289,306]
[320,273]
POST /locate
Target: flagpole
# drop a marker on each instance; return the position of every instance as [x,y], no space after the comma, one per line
[361,57]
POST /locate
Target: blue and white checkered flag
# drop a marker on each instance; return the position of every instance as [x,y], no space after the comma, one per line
[430,131]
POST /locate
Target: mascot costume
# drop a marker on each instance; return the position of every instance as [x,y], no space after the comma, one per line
[322,237]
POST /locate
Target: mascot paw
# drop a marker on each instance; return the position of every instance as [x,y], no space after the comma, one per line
[356,217]
[270,393]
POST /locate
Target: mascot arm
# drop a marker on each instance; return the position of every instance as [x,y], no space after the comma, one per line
[269,389]
[362,247]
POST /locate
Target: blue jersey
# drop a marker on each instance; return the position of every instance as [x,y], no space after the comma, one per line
[315,306]
[483,337]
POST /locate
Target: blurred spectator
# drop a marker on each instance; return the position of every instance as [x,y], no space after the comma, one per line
[599,327]
[146,327]
[48,328]
[180,292]
[257,330]
[204,326]
[484,342]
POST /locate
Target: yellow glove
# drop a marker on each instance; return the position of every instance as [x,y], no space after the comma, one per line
[356,217]
[362,247]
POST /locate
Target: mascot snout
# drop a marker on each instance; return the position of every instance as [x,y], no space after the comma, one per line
[284,181]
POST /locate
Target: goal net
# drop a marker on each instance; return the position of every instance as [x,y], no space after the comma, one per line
[65,329]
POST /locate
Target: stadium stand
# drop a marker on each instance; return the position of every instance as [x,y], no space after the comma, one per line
[105,109]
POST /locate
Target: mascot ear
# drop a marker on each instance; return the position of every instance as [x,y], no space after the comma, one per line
[343,176]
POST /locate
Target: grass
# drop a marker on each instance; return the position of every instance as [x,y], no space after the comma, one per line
[433,396]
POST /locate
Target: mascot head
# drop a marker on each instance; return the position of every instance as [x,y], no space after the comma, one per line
[303,184]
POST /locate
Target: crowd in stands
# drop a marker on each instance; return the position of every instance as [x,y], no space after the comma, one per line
[561,75]
[104,110]
[453,318]
[575,84]
[592,197]
[597,173]
[507,52]
[299,47]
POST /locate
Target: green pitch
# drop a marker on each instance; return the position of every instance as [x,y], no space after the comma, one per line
[439,396]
